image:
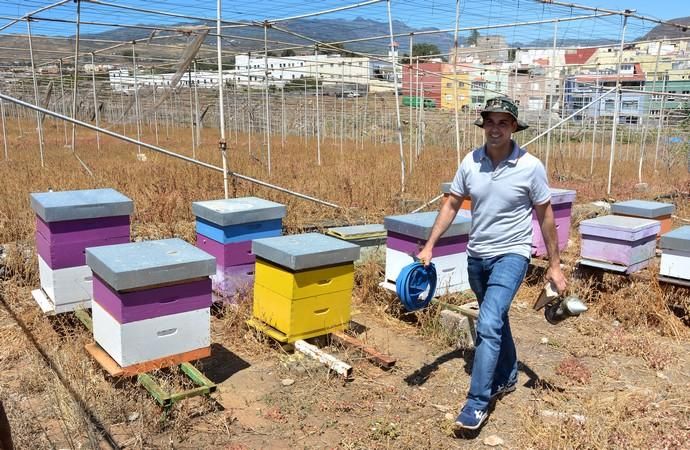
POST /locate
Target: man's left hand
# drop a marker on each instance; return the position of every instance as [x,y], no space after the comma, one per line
[555,275]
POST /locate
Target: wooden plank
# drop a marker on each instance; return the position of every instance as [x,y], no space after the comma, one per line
[329,361]
[378,358]
[110,366]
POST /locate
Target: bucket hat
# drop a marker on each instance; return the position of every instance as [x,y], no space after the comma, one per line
[503,105]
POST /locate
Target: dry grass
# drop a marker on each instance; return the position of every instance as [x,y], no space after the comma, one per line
[603,367]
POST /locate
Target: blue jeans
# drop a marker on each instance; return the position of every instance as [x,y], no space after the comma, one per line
[494,282]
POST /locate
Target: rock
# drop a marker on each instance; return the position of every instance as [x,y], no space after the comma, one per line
[449,416]
[578,418]
[287,382]
[661,375]
[493,441]
[133,416]
[456,325]
[544,340]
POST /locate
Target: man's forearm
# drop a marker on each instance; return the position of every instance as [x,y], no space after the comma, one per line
[444,219]
[548,231]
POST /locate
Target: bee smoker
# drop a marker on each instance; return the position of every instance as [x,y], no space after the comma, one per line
[556,308]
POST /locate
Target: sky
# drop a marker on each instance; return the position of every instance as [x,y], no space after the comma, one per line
[416,13]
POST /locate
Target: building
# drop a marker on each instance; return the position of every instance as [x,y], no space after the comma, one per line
[423,79]
[528,87]
[583,89]
[462,81]
[486,83]
[674,81]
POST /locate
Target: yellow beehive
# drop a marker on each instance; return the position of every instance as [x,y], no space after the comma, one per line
[302,304]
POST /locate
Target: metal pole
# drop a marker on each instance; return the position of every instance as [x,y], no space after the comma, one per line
[192,122]
[550,110]
[455,80]
[4,131]
[594,132]
[33,76]
[95,102]
[136,96]
[155,110]
[318,124]
[661,121]
[266,100]
[342,104]
[62,98]
[196,108]
[222,144]
[616,111]
[411,97]
[76,77]
[397,101]
[249,103]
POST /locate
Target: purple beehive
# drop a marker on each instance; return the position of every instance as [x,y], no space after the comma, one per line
[235,222]
[562,203]
[68,222]
[627,244]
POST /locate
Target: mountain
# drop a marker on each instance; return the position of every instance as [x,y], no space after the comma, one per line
[669,31]
[323,30]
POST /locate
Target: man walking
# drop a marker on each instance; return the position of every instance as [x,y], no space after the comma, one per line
[505,183]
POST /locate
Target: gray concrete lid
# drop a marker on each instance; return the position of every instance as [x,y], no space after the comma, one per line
[82,204]
[643,208]
[149,263]
[678,239]
[305,251]
[367,231]
[234,211]
[559,196]
[619,223]
[445,188]
[418,225]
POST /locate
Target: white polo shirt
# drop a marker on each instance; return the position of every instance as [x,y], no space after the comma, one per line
[502,200]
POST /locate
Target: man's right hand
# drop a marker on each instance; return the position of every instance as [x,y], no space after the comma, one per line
[424,256]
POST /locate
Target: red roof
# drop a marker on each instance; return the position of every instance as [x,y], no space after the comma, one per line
[579,56]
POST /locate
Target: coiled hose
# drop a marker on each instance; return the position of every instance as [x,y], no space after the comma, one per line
[413,281]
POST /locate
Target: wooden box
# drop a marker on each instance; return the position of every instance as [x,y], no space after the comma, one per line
[675,254]
[627,242]
[150,339]
[646,210]
[407,234]
[562,202]
[303,284]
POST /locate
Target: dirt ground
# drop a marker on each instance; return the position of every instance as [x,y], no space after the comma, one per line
[618,377]
[586,383]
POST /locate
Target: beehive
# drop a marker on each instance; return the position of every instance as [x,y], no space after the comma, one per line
[407,235]
[303,285]
[646,210]
[675,254]
[623,244]
[370,238]
[466,203]
[562,204]
[151,299]
[226,228]
[68,222]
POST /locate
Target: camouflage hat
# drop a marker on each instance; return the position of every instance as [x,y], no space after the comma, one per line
[503,105]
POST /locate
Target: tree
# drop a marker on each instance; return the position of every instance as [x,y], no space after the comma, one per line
[336,48]
[474,37]
[288,52]
[425,49]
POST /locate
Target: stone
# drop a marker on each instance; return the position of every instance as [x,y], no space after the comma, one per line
[457,326]
[493,441]
[287,382]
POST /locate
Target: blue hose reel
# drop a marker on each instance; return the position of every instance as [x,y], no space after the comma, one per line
[414,280]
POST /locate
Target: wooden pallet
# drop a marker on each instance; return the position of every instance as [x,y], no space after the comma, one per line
[164,398]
